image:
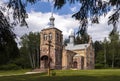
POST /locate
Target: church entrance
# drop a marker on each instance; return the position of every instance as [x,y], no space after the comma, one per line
[44,60]
[74,64]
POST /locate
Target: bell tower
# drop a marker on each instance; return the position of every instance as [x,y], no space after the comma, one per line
[54,53]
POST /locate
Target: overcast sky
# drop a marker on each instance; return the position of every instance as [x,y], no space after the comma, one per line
[40,13]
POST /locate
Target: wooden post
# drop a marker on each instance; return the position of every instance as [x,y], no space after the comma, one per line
[49,58]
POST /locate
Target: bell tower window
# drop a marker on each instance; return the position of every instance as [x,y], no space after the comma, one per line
[45,37]
[57,36]
[50,36]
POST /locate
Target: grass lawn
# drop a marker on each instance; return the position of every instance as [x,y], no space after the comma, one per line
[69,75]
[13,72]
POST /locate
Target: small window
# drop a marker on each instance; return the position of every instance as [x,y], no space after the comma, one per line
[57,36]
[45,37]
[60,38]
[50,36]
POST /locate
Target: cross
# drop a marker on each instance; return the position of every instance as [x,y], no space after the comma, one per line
[49,45]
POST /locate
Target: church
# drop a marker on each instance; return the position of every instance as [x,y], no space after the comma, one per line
[57,56]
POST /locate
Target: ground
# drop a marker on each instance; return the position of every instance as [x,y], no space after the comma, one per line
[69,75]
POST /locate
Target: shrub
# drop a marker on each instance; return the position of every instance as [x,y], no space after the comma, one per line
[10,67]
[22,62]
[99,66]
[53,73]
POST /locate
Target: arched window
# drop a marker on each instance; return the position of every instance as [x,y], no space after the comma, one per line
[75,64]
[45,37]
[57,37]
[50,36]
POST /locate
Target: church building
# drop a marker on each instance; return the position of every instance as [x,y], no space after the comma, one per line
[57,56]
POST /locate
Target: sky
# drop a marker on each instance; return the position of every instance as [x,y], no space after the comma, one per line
[39,14]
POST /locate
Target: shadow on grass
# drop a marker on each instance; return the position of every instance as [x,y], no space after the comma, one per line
[40,77]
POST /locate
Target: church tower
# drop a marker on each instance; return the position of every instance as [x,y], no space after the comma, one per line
[51,47]
[72,38]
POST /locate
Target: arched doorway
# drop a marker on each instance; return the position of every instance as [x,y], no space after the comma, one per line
[44,60]
[74,64]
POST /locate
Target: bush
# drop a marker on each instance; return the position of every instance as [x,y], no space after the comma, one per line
[99,66]
[53,73]
[10,67]
[22,62]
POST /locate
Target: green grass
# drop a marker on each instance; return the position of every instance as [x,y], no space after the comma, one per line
[13,72]
[100,72]
[69,75]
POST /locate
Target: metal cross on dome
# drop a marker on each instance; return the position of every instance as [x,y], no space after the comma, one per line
[52,18]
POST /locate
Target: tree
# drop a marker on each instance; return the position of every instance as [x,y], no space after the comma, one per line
[8,47]
[92,9]
[114,38]
[30,48]
[99,57]
[107,53]
[82,38]
[66,41]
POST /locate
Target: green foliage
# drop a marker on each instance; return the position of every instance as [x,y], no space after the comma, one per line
[107,53]
[25,57]
[53,73]
[9,52]
[100,57]
[22,62]
[66,41]
[19,12]
[99,66]
[30,49]
[8,46]
[10,67]
[6,33]
[115,43]
[81,39]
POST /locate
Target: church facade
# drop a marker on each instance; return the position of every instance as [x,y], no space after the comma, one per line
[57,56]
[80,56]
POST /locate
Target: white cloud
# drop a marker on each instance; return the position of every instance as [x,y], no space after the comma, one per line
[38,21]
[1,2]
[101,30]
